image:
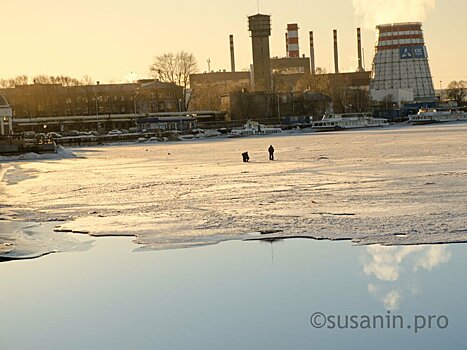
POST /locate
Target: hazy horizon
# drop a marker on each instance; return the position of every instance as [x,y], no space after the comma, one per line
[115,41]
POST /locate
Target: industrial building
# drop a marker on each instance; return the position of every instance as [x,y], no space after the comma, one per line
[276,86]
[401,72]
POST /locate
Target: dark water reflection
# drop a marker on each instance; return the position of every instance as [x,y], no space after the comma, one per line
[236,295]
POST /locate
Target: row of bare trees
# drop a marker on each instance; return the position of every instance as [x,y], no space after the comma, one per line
[45,79]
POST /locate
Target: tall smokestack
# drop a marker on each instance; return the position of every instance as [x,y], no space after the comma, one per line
[292,40]
[286,45]
[359,49]
[336,53]
[232,54]
[312,54]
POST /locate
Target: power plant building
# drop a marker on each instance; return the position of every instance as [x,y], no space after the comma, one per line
[400,67]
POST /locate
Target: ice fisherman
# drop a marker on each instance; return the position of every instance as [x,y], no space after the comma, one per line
[245,156]
[271,152]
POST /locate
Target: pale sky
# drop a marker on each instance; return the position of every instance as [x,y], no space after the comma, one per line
[110,39]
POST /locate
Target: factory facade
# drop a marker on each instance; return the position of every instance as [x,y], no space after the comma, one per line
[111,105]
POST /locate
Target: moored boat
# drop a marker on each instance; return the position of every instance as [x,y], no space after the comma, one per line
[254,128]
[431,115]
[335,122]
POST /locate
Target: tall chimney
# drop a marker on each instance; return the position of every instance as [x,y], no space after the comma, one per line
[336,54]
[232,54]
[359,48]
[292,40]
[286,45]
[312,54]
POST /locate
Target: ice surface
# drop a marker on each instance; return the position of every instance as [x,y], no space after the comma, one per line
[392,186]
[19,240]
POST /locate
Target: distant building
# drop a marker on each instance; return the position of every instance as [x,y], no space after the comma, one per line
[287,71]
[55,104]
[5,116]
[208,90]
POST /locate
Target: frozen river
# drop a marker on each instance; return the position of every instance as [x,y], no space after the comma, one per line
[392,186]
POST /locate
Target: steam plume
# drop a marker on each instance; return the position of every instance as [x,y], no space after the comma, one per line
[374,12]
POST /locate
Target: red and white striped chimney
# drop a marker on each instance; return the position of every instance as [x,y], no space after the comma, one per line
[292,40]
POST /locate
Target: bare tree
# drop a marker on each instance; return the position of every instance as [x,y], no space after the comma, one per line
[175,68]
[6,83]
[12,82]
[457,91]
[21,80]
[87,80]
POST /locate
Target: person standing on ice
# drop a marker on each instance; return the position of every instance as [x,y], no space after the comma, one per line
[271,152]
[245,156]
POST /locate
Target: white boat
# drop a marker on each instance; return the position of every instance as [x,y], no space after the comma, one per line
[431,115]
[254,128]
[334,122]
